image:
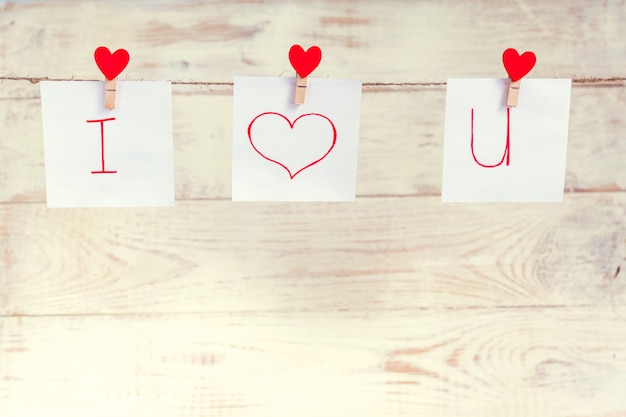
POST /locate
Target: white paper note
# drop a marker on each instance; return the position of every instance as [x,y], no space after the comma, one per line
[108,158]
[529,166]
[288,152]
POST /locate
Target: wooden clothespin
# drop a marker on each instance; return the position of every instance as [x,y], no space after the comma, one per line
[517,66]
[304,63]
[513,94]
[111,65]
[110,90]
[301,85]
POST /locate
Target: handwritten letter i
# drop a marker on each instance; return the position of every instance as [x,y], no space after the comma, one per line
[101,121]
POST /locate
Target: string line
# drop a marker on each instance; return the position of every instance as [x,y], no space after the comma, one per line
[575,81]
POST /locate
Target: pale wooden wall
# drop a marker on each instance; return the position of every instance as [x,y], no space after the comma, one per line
[395,305]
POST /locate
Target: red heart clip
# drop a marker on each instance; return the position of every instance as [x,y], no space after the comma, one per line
[304,62]
[111,64]
[517,65]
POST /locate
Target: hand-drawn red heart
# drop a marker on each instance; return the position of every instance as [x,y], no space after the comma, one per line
[304,62]
[111,64]
[304,161]
[517,65]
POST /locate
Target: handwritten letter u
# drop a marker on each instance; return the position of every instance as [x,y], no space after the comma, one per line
[507,149]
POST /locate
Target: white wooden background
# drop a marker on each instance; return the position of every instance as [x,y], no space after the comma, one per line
[395,305]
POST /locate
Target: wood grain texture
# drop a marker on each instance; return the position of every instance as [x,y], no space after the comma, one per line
[392,41]
[558,362]
[395,305]
[379,254]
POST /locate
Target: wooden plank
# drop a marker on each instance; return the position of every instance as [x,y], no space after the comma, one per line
[394,41]
[400,150]
[375,254]
[558,362]
[393,305]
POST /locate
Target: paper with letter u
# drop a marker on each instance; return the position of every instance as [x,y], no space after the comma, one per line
[497,154]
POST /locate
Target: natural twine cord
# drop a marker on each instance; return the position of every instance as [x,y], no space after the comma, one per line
[591,81]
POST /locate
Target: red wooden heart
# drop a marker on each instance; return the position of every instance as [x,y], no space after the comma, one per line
[304,62]
[111,64]
[298,155]
[517,65]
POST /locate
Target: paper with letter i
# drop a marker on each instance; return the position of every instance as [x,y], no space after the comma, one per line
[108,158]
[288,152]
[497,154]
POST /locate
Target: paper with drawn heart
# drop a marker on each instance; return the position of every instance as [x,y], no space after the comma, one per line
[532,168]
[288,152]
